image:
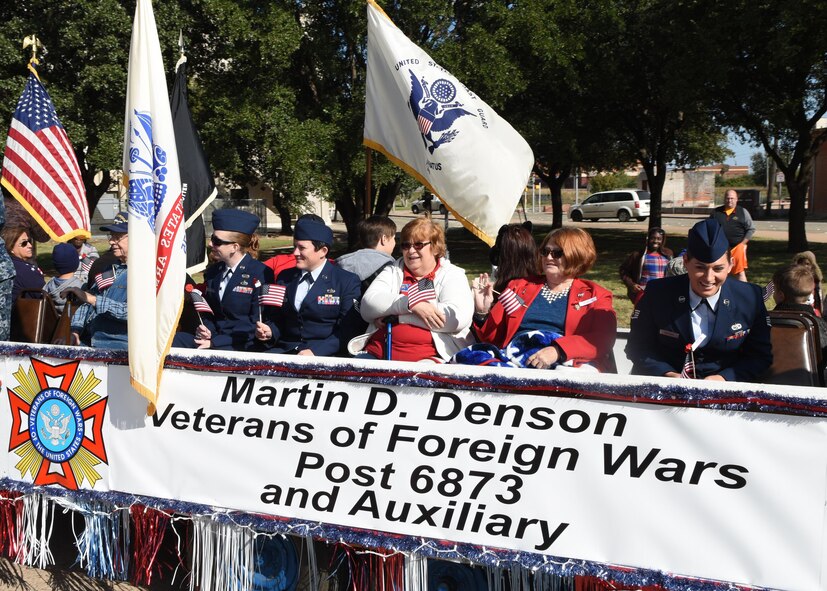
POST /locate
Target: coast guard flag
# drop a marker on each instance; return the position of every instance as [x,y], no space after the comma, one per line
[156,256]
[197,183]
[40,168]
[427,122]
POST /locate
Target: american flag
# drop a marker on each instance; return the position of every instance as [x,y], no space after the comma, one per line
[199,302]
[40,168]
[86,264]
[421,291]
[511,302]
[688,371]
[105,279]
[769,290]
[272,295]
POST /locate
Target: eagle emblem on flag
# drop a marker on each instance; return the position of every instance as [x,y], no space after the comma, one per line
[435,110]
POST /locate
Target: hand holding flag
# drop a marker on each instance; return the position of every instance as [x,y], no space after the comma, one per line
[688,370]
[421,291]
[105,279]
[511,302]
[272,295]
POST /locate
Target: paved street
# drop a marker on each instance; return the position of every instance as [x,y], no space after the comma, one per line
[672,223]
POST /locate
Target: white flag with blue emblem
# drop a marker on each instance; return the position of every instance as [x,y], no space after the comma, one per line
[431,125]
[157,252]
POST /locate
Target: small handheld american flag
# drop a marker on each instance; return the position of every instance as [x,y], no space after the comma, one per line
[199,302]
[272,295]
[688,371]
[511,302]
[105,279]
[421,291]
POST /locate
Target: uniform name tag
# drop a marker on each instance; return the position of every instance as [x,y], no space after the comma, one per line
[669,333]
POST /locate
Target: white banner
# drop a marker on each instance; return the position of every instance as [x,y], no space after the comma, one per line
[708,494]
[429,123]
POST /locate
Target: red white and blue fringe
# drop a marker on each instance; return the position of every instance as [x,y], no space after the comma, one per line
[222,545]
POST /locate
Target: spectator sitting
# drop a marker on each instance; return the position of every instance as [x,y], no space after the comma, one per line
[514,255]
[101,320]
[21,248]
[65,259]
[87,253]
[377,236]
[794,285]
[808,258]
[557,319]
[640,267]
[701,325]
[425,294]
[318,312]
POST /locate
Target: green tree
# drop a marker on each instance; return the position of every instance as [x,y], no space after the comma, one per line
[654,108]
[773,86]
[758,168]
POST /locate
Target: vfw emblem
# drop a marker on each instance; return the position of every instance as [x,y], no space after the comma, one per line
[57,422]
[435,110]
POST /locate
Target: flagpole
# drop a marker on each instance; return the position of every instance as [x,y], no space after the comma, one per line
[366,209]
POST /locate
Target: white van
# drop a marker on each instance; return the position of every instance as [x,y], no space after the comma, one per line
[623,204]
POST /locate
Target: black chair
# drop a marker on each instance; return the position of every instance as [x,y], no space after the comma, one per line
[33,317]
[796,350]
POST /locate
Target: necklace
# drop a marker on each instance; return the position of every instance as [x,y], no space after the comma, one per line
[553,296]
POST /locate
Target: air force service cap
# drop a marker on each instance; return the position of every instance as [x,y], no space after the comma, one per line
[310,229]
[234,220]
[707,241]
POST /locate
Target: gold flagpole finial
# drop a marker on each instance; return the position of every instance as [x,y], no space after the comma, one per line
[34,42]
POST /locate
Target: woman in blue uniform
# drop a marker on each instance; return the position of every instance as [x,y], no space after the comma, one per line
[232,285]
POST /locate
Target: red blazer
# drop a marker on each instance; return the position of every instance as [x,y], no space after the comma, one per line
[590,329]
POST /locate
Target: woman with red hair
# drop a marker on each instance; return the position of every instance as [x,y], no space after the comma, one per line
[573,316]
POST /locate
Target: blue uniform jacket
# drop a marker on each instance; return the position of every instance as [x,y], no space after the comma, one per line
[327,318]
[738,349]
[233,322]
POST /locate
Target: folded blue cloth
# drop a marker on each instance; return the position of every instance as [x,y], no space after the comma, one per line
[522,346]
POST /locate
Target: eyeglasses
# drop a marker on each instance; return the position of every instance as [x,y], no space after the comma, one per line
[556,253]
[216,241]
[25,243]
[417,245]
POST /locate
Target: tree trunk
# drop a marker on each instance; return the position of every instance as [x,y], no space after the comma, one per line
[285,216]
[93,192]
[556,188]
[385,197]
[797,228]
[656,182]
[555,180]
[351,214]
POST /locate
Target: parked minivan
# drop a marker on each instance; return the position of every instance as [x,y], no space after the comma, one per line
[623,204]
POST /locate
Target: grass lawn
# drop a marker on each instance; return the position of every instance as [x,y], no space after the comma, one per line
[612,247]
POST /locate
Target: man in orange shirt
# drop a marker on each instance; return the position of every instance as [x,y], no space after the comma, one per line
[738,228]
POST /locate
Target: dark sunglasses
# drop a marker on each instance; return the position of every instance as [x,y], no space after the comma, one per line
[417,245]
[216,241]
[556,253]
[25,243]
